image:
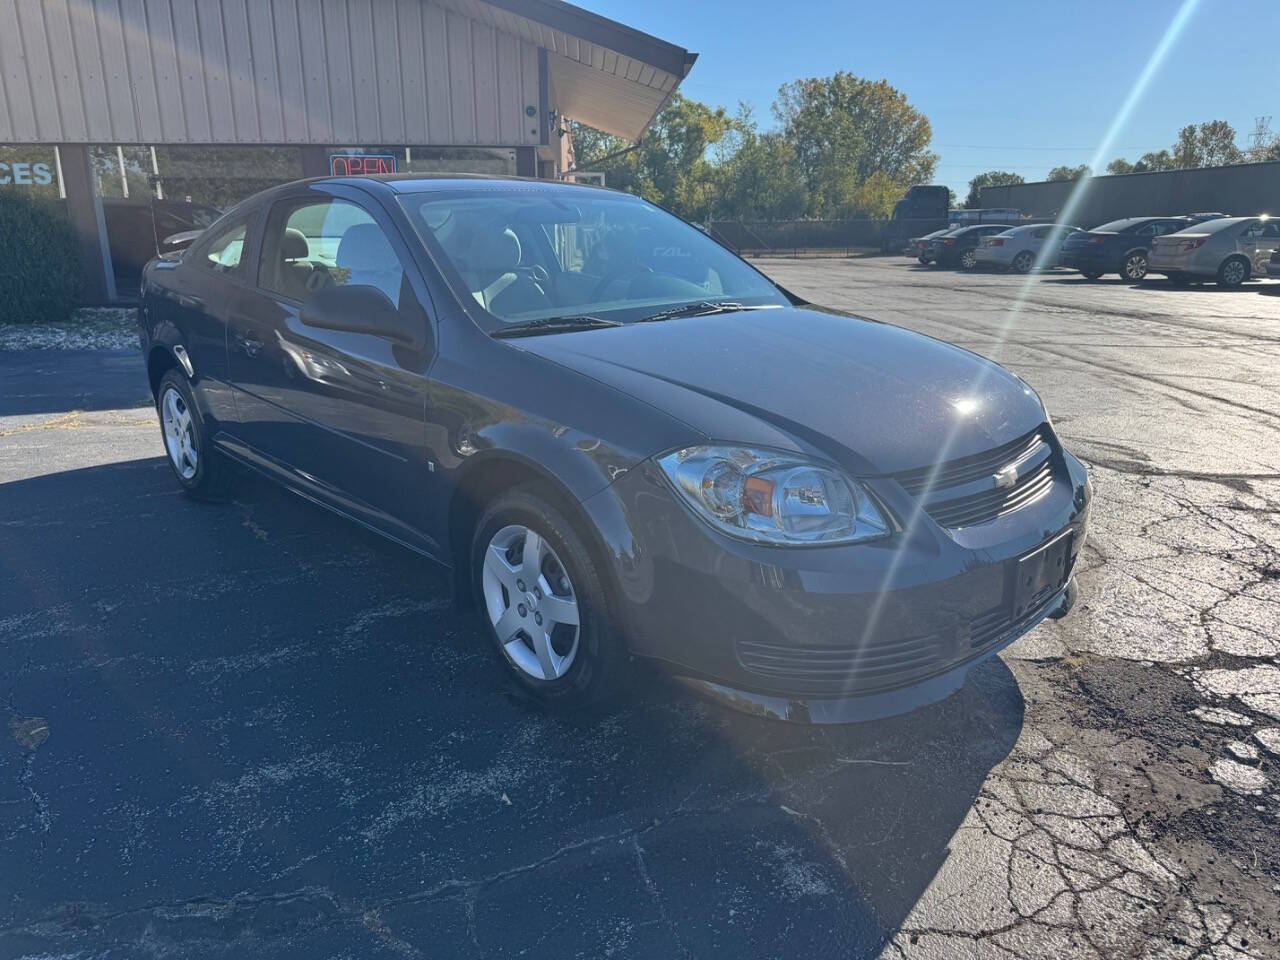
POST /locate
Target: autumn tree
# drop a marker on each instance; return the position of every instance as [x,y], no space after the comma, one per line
[1069,173]
[992,178]
[844,129]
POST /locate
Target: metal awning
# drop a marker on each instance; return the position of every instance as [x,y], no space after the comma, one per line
[602,73]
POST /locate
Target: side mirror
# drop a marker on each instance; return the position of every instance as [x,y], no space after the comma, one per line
[357,308]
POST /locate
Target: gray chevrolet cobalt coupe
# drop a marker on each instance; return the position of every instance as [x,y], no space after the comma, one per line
[622,440]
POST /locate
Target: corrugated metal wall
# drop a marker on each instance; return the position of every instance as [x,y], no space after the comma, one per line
[261,71]
[1239,190]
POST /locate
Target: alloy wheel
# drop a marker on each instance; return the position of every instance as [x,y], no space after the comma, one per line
[968,259]
[179,435]
[530,602]
[1023,262]
[1233,273]
[1135,266]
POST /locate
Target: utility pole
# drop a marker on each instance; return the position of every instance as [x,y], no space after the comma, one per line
[1261,132]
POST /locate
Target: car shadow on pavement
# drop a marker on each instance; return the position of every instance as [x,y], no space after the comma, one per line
[264,732]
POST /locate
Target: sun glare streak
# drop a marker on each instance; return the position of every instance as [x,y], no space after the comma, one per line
[1157,59]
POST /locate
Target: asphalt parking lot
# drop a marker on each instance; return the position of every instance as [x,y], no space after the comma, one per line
[252,730]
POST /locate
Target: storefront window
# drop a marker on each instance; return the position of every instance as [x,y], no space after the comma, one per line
[223,176]
[31,170]
[122,172]
[490,160]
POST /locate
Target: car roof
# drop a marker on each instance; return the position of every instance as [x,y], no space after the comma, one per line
[1216,224]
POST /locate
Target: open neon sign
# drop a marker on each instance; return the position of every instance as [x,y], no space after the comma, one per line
[361,164]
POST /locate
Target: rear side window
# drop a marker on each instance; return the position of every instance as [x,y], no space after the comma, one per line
[224,253]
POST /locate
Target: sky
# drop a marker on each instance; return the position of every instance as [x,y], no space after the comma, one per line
[1022,86]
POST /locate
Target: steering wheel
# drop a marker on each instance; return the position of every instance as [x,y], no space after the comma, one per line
[615,276]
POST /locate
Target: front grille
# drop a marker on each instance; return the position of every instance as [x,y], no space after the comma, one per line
[963,492]
[874,664]
[984,507]
[955,472]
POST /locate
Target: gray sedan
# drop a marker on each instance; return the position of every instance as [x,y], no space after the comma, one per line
[1229,250]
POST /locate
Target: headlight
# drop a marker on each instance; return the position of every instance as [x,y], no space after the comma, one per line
[773,497]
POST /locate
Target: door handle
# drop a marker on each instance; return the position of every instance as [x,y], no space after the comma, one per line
[250,344]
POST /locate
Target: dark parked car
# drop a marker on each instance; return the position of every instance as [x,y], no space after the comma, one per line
[959,246]
[922,247]
[1273,265]
[621,439]
[1121,246]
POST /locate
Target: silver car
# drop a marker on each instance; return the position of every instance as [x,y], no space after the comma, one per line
[1018,248]
[1229,250]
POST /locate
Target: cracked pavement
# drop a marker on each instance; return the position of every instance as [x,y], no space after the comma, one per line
[253,730]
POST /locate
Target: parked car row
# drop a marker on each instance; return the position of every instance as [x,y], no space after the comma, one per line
[1185,249]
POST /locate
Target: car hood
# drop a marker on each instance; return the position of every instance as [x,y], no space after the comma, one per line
[874,397]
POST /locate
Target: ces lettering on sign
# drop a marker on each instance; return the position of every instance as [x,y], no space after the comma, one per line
[25,174]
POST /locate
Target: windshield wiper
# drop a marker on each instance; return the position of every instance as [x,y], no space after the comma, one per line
[532,328]
[701,309]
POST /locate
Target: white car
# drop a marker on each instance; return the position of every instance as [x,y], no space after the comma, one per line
[1230,250]
[1018,247]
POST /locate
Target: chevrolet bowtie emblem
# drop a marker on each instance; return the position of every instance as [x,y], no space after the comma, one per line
[1005,477]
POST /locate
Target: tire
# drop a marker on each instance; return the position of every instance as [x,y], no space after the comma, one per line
[1134,266]
[1233,272]
[969,259]
[592,648]
[1023,262]
[922,258]
[199,469]
[1091,274]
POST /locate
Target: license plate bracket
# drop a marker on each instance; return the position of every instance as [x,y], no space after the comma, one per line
[1041,574]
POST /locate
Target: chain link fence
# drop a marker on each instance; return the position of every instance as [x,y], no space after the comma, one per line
[817,238]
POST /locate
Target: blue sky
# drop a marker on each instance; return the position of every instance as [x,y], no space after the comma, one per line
[1020,86]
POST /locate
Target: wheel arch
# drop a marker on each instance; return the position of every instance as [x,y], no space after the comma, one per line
[483,479]
[159,360]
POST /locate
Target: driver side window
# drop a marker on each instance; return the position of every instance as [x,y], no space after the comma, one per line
[310,245]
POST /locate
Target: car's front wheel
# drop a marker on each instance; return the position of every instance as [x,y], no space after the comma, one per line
[543,601]
[198,467]
[1091,274]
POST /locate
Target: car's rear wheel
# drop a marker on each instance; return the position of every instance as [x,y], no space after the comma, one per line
[199,468]
[1233,272]
[1023,262]
[1134,266]
[543,601]
[1091,274]
[968,260]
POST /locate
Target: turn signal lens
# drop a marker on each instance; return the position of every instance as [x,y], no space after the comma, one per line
[774,497]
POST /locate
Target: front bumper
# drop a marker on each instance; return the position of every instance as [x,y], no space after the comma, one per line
[850,632]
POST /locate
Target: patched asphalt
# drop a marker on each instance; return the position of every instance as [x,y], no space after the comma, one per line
[250,729]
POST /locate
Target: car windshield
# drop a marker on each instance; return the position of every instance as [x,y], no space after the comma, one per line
[527,254]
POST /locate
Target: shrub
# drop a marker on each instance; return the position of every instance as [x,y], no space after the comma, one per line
[41,275]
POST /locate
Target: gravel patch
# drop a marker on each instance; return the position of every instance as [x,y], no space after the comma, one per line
[91,328]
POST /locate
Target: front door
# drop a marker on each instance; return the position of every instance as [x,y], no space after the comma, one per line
[341,413]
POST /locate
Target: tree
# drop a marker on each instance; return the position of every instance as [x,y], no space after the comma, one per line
[1069,173]
[757,174]
[992,178]
[1155,161]
[1212,144]
[1265,152]
[1119,165]
[670,165]
[844,129]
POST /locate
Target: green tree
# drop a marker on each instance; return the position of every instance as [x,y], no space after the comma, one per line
[992,178]
[1119,165]
[1211,144]
[844,129]
[757,174]
[1155,161]
[1265,152]
[1070,173]
[669,165]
